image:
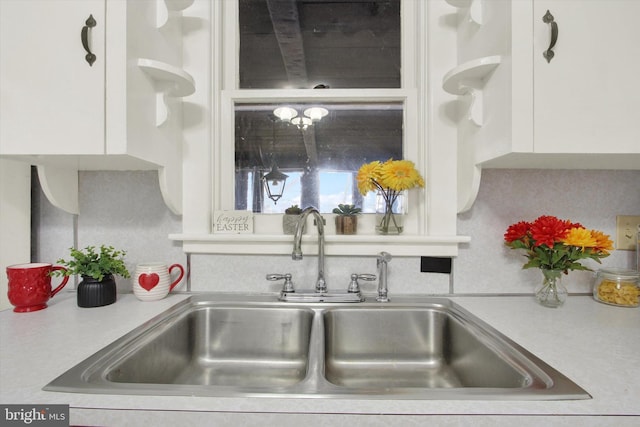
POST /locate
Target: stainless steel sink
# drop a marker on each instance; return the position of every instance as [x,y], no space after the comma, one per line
[419,347]
[249,345]
[224,346]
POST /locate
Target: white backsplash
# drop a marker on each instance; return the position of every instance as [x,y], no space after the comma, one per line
[592,198]
[125,210]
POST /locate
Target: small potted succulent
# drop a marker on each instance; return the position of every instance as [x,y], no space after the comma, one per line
[347,219]
[98,286]
[290,219]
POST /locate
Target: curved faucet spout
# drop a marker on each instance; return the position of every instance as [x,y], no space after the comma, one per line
[321,285]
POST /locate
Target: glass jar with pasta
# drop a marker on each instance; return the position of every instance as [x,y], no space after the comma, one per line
[617,287]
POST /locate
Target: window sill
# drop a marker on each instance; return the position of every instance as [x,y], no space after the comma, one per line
[359,244]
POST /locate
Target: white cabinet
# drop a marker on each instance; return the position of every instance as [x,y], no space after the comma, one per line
[121,112]
[52,101]
[577,111]
[586,97]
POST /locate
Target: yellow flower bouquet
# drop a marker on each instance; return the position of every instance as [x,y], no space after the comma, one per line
[389,179]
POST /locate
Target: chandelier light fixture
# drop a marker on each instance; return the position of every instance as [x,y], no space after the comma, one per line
[290,115]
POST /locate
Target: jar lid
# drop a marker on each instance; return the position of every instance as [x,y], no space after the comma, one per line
[619,274]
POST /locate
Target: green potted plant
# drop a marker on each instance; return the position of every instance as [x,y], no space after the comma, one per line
[347,219]
[97,268]
[290,219]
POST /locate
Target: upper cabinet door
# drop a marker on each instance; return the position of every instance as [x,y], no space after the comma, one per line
[51,98]
[587,95]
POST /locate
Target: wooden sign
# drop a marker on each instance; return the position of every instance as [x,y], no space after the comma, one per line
[233,222]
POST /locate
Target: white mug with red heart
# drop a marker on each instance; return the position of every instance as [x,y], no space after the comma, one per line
[152,281]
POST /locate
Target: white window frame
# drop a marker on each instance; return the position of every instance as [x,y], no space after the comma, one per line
[432,211]
[231,94]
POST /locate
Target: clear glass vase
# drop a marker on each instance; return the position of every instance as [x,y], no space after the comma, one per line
[551,292]
[390,212]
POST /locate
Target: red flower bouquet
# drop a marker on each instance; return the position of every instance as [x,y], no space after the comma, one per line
[554,244]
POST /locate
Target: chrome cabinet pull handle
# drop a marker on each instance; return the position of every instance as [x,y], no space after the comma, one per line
[84,37]
[549,19]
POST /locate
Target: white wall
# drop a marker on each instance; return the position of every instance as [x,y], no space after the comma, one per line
[15,219]
[590,197]
[125,209]
[122,209]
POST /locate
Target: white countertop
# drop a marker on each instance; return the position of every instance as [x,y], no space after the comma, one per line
[595,345]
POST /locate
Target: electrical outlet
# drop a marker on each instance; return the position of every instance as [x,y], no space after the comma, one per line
[627,228]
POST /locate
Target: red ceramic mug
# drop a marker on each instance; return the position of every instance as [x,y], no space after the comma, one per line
[30,285]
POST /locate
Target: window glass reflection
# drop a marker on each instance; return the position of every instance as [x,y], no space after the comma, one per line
[310,43]
[320,159]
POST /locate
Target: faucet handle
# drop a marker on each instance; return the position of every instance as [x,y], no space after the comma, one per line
[288,283]
[354,287]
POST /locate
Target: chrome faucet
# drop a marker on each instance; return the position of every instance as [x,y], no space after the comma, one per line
[321,285]
[383,260]
[320,294]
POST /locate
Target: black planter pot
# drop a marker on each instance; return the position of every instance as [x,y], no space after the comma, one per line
[96,293]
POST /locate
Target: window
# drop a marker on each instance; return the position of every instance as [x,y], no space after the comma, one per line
[321,156]
[428,51]
[346,57]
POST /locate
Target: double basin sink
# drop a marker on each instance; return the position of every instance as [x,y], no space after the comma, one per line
[410,348]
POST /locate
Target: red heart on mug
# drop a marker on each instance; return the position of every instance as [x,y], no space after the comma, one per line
[148,281]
